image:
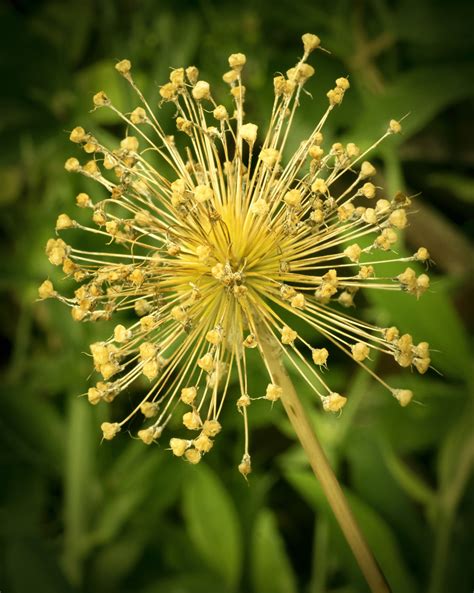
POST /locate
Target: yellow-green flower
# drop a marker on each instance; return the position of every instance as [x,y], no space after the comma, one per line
[239,241]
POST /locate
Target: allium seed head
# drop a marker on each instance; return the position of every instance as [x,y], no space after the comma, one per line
[237,243]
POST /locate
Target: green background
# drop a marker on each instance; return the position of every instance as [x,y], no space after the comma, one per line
[78,516]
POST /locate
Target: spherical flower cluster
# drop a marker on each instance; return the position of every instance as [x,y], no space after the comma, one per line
[238,242]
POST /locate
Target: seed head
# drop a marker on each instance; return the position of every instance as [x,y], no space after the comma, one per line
[237,239]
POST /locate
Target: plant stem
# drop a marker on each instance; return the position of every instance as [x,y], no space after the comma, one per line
[320,463]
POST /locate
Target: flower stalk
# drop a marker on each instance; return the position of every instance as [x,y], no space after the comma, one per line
[320,464]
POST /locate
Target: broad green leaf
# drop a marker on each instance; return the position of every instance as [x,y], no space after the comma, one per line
[30,566]
[79,486]
[213,523]
[379,536]
[271,568]
[413,484]
[417,92]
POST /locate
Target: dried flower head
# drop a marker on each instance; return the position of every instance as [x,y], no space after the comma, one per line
[238,240]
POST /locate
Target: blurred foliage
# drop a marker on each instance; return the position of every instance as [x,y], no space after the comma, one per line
[76,516]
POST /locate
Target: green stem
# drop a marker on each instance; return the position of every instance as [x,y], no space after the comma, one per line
[320,464]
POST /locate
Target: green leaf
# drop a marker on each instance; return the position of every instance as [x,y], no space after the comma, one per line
[379,536]
[461,186]
[213,523]
[79,486]
[409,480]
[271,568]
[417,92]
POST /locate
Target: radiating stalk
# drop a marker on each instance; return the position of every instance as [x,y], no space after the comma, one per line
[320,464]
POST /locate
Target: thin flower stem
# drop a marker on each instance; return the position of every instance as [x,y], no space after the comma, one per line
[320,464]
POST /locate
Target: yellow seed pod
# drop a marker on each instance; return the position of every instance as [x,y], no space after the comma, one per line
[382,207]
[245,466]
[83,200]
[269,156]
[179,314]
[244,401]
[220,113]
[335,96]
[273,392]
[211,428]
[138,116]
[320,356]
[214,336]
[78,135]
[310,42]
[353,252]
[192,73]
[317,216]
[238,92]
[398,218]
[352,150]
[168,91]
[230,77]
[203,443]
[56,250]
[109,369]
[72,165]
[148,435]
[319,186]
[422,254]
[188,395]
[150,369]
[121,334]
[369,216]
[46,290]
[149,409]
[130,143]
[100,99]
[179,446]
[342,83]
[360,351]
[346,299]
[408,277]
[147,350]
[110,430]
[137,277]
[334,402]
[191,420]
[193,456]
[237,61]
[394,127]
[94,395]
[123,67]
[91,168]
[250,341]
[293,198]
[279,83]
[298,301]
[316,152]
[206,362]
[422,364]
[201,90]
[177,77]
[248,132]
[367,170]
[288,335]
[368,190]
[203,193]
[391,334]
[404,396]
